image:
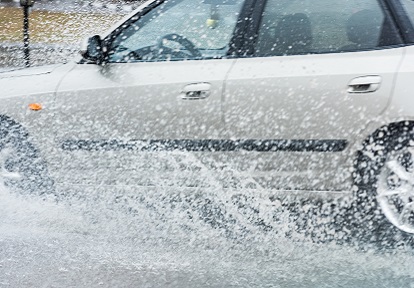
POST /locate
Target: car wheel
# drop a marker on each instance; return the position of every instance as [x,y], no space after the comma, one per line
[384,178]
[395,188]
[21,168]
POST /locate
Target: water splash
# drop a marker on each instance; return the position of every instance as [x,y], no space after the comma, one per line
[152,237]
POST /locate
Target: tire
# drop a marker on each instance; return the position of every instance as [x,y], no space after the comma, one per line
[21,168]
[384,178]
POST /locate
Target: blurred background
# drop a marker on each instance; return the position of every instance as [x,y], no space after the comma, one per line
[57,27]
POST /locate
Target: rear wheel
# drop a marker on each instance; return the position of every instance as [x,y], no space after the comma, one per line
[395,189]
[21,168]
[385,180]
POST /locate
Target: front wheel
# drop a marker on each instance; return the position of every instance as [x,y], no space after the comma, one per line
[22,169]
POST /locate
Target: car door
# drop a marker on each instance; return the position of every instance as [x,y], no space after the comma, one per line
[317,73]
[161,85]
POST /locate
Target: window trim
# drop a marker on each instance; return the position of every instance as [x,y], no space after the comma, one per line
[240,44]
[401,20]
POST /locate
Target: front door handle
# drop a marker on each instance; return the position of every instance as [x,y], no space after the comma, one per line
[196,91]
[364,84]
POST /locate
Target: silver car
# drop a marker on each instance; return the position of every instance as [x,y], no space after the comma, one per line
[286,95]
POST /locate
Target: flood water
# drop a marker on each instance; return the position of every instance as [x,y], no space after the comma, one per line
[149,239]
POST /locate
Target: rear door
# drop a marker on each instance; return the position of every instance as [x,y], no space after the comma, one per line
[317,73]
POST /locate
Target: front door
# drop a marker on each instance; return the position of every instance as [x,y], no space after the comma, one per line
[161,88]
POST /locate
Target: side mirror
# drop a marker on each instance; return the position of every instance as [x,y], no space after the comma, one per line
[92,49]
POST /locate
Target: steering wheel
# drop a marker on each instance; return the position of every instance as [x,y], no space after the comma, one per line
[187,44]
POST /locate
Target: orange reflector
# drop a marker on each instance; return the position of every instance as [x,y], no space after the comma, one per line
[35,106]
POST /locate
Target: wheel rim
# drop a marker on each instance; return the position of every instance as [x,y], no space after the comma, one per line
[395,189]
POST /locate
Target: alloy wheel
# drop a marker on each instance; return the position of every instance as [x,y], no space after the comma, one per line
[395,189]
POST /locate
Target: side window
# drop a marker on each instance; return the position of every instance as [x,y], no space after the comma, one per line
[178,30]
[409,7]
[295,27]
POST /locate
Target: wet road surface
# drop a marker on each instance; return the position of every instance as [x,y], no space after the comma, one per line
[170,238]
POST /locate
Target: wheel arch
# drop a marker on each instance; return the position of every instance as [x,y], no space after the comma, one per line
[386,132]
[372,150]
[29,161]
[11,122]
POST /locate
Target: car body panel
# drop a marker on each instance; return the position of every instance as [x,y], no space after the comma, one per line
[20,88]
[306,97]
[32,81]
[401,106]
[122,102]
[141,101]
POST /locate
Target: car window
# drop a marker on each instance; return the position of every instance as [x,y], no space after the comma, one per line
[291,27]
[409,7]
[178,30]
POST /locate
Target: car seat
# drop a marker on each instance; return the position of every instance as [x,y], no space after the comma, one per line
[363,29]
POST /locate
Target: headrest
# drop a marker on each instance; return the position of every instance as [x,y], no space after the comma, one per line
[363,28]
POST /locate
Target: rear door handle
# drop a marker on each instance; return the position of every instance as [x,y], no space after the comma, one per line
[196,91]
[364,84]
